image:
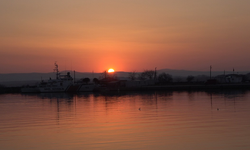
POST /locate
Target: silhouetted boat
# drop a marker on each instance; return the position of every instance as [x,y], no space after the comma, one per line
[30,89]
[60,84]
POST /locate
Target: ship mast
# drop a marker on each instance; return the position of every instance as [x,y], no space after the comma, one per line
[56,70]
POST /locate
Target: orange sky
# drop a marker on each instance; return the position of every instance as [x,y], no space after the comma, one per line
[129,35]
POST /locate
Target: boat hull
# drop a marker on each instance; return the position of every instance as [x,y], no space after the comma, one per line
[87,88]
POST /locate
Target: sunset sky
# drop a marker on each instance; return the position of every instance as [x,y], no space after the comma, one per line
[126,35]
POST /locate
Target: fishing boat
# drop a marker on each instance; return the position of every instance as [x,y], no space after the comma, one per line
[60,84]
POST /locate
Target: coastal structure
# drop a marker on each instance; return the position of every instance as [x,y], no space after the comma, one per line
[229,78]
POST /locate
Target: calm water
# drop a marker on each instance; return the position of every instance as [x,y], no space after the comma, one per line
[144,120]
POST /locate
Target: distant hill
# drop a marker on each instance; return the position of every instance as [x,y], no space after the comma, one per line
[37,76]
[19,79]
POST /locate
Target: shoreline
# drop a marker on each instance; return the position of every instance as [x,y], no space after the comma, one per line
[198,87]
[172,87]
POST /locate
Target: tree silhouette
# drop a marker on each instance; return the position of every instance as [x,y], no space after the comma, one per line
[190,78]
[86,80]
[165,78]
[96,81]
[146,74]
[132,75]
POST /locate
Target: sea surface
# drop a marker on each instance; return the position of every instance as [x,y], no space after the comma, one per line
[174,120]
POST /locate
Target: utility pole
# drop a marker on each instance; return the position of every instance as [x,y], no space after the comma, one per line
[155,73]
[74,76]
[210,71]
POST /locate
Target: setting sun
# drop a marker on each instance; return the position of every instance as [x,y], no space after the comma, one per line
[111,70]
